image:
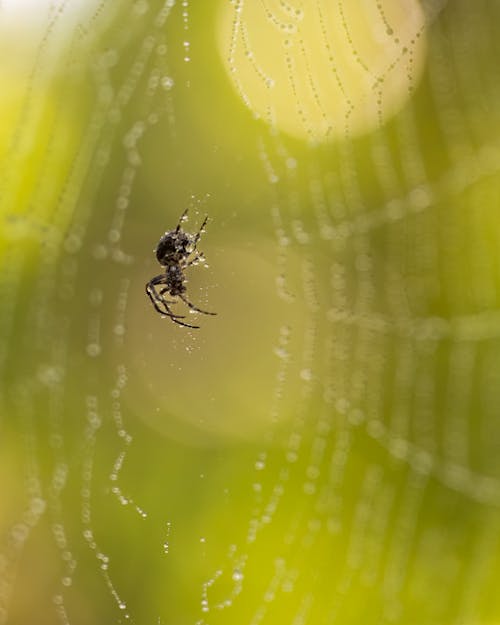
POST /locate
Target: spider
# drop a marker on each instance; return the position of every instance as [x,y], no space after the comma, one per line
[175,251]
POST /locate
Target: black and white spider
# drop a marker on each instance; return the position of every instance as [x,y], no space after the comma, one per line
[176,250]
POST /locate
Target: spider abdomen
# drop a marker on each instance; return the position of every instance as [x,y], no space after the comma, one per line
[173,247]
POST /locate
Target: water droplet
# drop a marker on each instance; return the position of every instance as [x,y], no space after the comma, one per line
[167,82]
[93,349]
[237,575]
[306,374]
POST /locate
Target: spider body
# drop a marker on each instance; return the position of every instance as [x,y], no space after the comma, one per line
[175,279]
[176,250]
[173,247]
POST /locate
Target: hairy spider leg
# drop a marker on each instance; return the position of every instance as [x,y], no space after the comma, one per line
[156,300]
[193,307]
[181,219]
[199,256]
[153,296]
[167,290]
[186,325]
[174,318]
[168,301]
[198,235]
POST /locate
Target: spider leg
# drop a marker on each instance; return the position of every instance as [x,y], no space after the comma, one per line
[193,307]
[199,256]
[166,301]
[175,317]
[181,219]
[181,323]
[157,300]
[198,235]
[166,311]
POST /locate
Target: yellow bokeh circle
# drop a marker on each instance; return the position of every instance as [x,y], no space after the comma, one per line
[324,69]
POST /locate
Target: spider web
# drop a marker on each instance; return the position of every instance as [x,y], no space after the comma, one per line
[323,451]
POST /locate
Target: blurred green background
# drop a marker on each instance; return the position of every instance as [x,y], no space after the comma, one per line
[326,449]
